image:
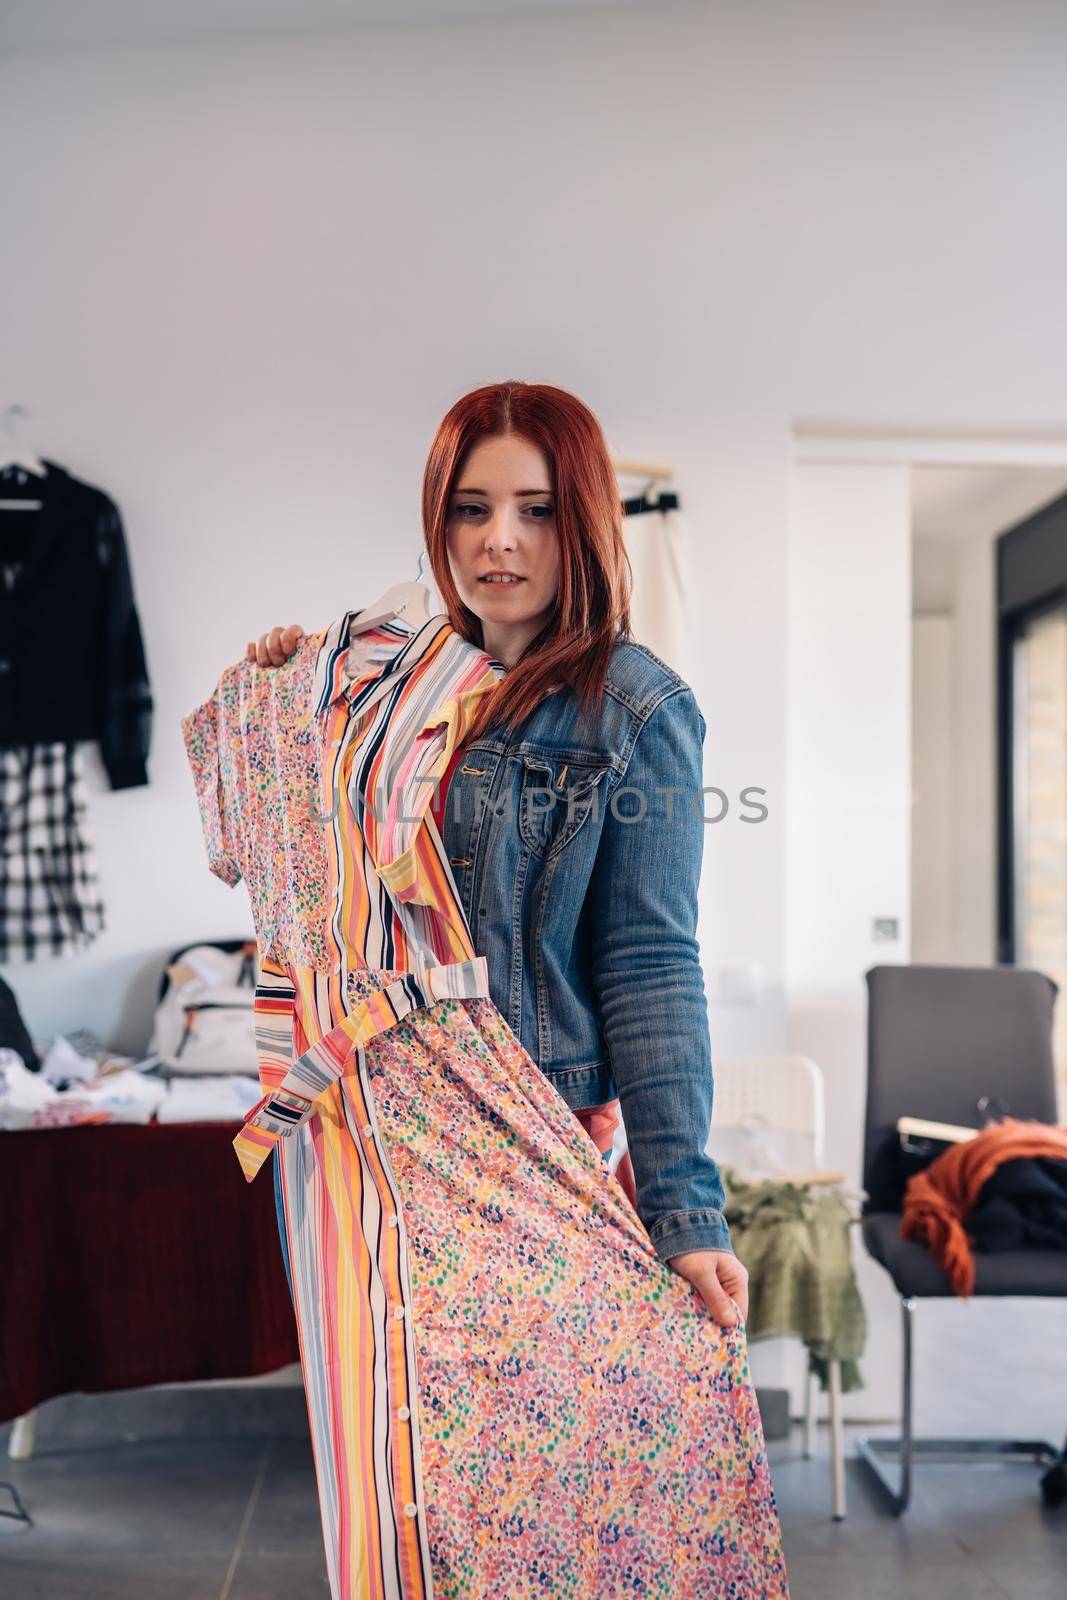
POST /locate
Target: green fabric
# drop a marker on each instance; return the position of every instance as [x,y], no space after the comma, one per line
[797,1248]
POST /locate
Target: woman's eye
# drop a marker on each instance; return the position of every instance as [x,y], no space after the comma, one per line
[540,512]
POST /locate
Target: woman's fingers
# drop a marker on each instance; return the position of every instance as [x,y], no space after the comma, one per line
[718,1302]
[736,1285]
[734,1279]
[717,1275]
[274,648]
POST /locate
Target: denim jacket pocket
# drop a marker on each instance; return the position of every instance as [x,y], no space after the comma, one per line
[556,798]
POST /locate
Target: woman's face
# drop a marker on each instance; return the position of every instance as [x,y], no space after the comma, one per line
[502,519]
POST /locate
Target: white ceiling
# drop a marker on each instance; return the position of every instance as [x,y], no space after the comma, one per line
[45,24]
[957,503]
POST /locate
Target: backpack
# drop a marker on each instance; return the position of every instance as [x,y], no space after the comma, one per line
[204,1022]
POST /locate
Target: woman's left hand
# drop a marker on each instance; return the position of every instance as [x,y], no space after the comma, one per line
[720,1279]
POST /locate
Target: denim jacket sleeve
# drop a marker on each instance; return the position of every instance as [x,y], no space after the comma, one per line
[648,979]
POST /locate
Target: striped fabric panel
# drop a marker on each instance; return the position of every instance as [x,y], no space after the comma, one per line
[366,728]
[406,779]
[349,1264]
[272,1013]
[390,708]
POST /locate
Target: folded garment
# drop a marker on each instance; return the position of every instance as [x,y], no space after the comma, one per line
[64,1064]
[28,1100]
[22,1093]
[1023,1206]
[207,1099]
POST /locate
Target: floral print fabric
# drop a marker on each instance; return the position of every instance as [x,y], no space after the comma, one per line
[588,1430]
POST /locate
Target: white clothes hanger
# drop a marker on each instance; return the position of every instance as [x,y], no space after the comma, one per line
[17,457]
[405,602]
[653,473]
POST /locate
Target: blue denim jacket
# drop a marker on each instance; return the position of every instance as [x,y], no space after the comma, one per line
[577,851]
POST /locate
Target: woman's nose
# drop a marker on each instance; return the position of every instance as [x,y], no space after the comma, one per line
[499,535]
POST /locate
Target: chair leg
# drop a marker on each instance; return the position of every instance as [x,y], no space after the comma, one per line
[1054,1482]
[19,1448]
[907,1313]
[23,1429]
[875,1452]
[20,1514]
[870,1451]
[837,1441]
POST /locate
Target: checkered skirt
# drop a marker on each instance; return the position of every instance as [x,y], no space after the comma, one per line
[50,901]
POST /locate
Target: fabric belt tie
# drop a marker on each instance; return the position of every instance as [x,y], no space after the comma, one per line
[285,1109]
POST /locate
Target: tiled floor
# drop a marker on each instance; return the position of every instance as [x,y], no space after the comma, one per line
[192,1515]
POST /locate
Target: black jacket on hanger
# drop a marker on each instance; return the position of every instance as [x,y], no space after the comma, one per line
[72,662]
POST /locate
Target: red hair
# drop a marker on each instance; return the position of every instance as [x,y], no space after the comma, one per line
[595,579]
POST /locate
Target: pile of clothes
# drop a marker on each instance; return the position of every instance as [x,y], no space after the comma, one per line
[1005,1189]
[75,1088]
[201,1065]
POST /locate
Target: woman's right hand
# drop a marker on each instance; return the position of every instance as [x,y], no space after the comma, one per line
[273,649]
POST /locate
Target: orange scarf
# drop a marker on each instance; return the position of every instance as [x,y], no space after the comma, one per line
[938,1200]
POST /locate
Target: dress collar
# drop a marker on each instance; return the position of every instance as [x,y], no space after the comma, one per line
[364,668]
[415,751]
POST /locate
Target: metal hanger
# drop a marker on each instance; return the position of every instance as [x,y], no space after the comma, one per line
[17,457]
[405,602]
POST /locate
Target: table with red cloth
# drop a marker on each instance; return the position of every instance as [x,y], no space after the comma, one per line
[133,1255]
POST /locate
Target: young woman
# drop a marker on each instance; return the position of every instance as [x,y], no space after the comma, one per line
[527,552]
[570,814]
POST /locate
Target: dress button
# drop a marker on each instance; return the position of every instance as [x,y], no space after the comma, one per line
[411,1509]
[391,1222]
[398,1313]
[367,1130]
[404,1413]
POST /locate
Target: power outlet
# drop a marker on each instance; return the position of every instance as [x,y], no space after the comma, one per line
[737,986]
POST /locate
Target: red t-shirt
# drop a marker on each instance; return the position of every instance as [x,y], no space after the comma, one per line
[439,796]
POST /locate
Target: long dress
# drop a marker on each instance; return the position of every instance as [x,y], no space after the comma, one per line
[510,1395]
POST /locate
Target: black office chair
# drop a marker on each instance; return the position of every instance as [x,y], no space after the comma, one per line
[941,1041]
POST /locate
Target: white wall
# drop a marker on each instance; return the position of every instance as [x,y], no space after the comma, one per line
[848,800]
[241,282]
[848,742]
[974,753]
[954,860]
[934,830]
